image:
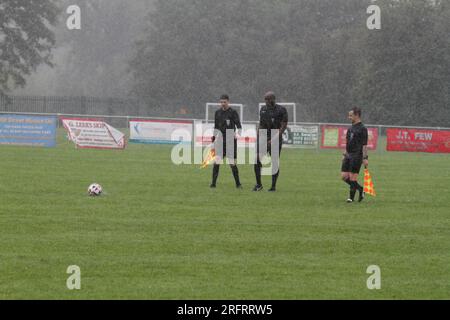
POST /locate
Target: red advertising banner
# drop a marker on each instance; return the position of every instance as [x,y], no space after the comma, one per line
[418,140]
[335,137]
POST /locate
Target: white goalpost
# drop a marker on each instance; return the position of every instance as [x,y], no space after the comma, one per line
[212,107]
[290,107]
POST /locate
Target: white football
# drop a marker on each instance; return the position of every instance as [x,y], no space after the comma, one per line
[95,190]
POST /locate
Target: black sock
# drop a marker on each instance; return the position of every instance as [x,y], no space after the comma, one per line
[353,187]
[357,185]
[235,171]
[274,179]
[258,166]
[216,168]
[347,181]
[360,187]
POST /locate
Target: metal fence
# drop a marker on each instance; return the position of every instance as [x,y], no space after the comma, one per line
[122,122]
[88,106]
[119,107]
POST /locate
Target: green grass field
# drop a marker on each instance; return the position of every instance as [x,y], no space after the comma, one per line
[159,232]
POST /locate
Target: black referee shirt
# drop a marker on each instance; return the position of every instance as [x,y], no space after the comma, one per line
[272,118]
[226,119]
[357,137]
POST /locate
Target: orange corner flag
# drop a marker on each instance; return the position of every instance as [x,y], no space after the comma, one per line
[368,183]
[209,158]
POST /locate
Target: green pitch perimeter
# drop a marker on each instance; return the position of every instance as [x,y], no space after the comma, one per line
[159,232]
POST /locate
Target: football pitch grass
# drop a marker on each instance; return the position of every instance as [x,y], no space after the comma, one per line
[159,232]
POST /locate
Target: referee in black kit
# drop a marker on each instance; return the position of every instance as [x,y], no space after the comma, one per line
[274,119]
[355,154]
[226,119]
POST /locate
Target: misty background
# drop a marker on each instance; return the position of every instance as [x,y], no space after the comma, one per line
[170,57]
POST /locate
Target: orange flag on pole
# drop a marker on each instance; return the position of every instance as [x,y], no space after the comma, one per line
[368,183]
[209,158]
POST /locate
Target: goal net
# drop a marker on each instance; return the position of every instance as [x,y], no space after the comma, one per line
[212,107]
[290,107]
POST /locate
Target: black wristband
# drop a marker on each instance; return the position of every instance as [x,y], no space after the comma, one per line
[366,158]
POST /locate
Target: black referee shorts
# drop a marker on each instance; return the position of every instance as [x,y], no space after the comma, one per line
[223,154]
[352,163]
[269,148]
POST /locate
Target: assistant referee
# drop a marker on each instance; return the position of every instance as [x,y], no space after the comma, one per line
[355,154]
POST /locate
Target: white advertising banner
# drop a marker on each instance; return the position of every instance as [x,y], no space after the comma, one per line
[160,131]
[95,134]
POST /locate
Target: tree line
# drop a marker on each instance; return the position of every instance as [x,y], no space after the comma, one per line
[318,53]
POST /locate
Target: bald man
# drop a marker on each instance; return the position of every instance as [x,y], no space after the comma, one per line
[274,119]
